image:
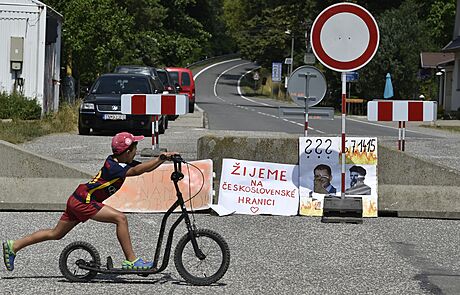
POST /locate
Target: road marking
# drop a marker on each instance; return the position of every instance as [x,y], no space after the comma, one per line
[241,93]
[213,65]
[242,96]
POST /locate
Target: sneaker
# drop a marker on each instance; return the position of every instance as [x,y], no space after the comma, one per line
[8,255]
[137,264]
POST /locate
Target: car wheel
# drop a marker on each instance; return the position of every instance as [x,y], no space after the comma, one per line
[191,107]
[82,130]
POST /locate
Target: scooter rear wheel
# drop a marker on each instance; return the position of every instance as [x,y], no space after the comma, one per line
[81,252]
[205,271]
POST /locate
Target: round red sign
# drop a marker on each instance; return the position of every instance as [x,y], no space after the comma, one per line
[344,37]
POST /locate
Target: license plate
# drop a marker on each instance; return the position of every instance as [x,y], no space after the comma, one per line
[114,117]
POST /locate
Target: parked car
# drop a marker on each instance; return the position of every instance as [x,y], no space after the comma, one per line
[146,70]
[184,78]
[168,83]
[101,108]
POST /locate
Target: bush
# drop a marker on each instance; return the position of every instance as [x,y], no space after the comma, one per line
[17,106]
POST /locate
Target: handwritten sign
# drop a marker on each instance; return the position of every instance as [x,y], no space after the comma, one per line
[249,187]
[320,173]
[154,191]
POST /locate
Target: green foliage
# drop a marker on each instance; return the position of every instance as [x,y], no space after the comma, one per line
[441,20]
[403,36]
[16,106]
[101,34]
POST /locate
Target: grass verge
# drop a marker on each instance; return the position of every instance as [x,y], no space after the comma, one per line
[20,131]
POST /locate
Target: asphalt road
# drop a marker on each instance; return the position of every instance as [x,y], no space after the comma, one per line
[227,109]
[270,255]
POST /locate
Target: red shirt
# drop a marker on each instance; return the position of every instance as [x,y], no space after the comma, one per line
[107,181]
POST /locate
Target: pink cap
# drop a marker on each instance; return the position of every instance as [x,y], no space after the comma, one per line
[122,141]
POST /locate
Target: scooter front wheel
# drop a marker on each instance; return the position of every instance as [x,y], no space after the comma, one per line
[75,253]
[211,267]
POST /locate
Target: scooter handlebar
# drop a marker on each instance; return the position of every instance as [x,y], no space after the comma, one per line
[174,158]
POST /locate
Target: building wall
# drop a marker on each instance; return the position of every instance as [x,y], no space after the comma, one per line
[27,19]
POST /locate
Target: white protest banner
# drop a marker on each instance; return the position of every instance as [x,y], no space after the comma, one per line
[319,170]
[249,187]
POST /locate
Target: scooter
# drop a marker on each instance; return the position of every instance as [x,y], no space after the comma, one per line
[201,256]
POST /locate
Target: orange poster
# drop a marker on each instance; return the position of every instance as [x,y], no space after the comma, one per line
[154,191]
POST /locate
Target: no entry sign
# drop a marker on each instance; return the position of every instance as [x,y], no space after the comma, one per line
[344,37]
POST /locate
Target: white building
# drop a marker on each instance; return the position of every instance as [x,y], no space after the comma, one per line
[452,96]
[30,50]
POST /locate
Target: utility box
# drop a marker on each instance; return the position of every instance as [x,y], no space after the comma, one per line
[16,53]
[17,49]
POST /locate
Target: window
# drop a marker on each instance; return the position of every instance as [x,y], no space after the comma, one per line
[185,79]
[121,85]
[174,77]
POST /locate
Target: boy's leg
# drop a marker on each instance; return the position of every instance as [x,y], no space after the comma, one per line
[10,247]
[57,233]
[111,215]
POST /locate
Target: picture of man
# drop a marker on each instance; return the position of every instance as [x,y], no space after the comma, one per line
[357,186]
[322,180]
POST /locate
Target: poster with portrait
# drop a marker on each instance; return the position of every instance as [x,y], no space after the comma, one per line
[361,172]
[320,172]
[249,187]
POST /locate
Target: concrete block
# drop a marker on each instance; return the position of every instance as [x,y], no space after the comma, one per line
[409,186]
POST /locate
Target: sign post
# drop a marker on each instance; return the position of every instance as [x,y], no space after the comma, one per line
[307,84]
[344,38]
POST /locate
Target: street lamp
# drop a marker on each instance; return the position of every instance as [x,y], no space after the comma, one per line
[289,32]
[441,89]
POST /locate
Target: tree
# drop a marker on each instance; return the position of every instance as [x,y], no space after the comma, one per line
[403,35]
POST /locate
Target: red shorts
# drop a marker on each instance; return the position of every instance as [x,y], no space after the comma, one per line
[76,210]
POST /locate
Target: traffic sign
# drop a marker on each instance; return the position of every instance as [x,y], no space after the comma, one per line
[352,76]
[344,37]
[277,69]
[297,85]
[255,76]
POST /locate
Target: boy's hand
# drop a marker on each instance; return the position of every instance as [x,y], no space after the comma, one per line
[166,156]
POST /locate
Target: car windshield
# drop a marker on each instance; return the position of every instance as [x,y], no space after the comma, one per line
[121,85]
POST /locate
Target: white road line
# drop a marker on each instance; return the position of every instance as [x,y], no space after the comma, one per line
[223,73]
[213,65]
[241,93]
[242,96]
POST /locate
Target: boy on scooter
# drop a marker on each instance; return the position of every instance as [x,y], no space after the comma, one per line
[86,202]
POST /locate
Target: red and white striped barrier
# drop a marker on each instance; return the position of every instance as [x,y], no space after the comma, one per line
[401,110]
[154,104]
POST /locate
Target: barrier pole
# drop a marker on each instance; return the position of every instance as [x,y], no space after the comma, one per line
[403,136]
[155,137]
[344,113]
[399,135]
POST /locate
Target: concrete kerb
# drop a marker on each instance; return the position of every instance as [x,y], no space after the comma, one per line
[33,182]
[407,187]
